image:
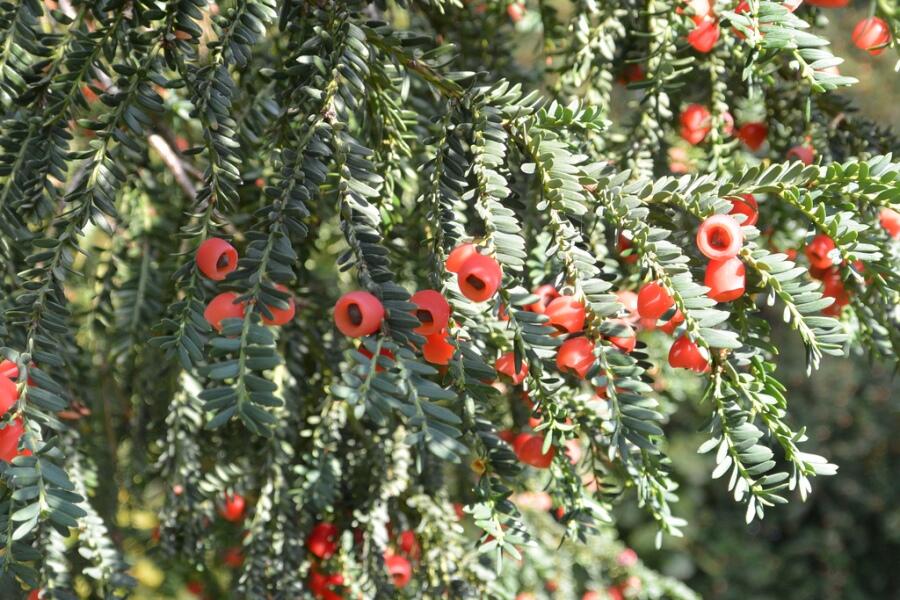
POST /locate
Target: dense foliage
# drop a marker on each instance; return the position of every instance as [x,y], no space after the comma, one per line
[343,146]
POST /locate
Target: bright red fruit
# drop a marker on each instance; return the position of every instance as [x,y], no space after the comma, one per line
[458,256]
[358,313]
[281,316]
[506,365]
[216,258]
[719,237]
[233,557]
[753,135]
[196,588]
[685,354]
[624,338]
[889,219]
[871,35]
[828,3]
[804,154]
[631,73]
[726,279]
[223,307]
[479,277]
[624,243]
[515,11]
[673,322]
[695,123]
[399,568]
[9,439]
[575,354]
[833,287]
[653,301]
[546,293]
[323,540]
[566,314]
[233,508]
[9,393]
[627,558]
[408,544]
[384,352]
[817,251]
[322,585]
[34,595]
[437,349]
[433,311]
[704,36]
[746,205]
[9,369]
[529,452]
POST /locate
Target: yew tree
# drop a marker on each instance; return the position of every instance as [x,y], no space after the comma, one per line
[346,299]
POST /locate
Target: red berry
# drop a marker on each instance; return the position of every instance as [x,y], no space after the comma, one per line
[530,452]
[321,585]
[9,369]
[627,558]
[9,440]
[719,237]
[704,36]
[223,307]
[653,301]
[281,316]
[566,314]
[546,293]
[631,73]
[408,544]
[889,219]
[695,123]
[746,205]
[506,365]
[818,251]
[520,440]
[804,154]
[216,258]
[685,354]
[437,349]
[323,540]
[195,588]
[400,570]
[358,313]
[384,352]
[479,277]
[753,135]
[673,323]
[34,594]
[726,279]
[575,354]
[624,338]
[833,287]
[828,3]
[871,35]
[233,508]
[233,557]
[515,11]
[458,256]
[624,243]
[433,311]
[9,393]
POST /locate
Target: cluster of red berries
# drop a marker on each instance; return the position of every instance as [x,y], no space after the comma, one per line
[706,31]
[696,122]
[871,34]
[216,259]
[12,432]
[821,266]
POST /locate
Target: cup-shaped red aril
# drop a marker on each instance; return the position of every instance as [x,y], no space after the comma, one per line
[890,220]
[672,324]
[547,293]
[233,508]
[224,306]
[726,279]
[566,314]
[9,393]
[216,258]
[833,287]
[433,311]
[322,585]
[653,301]
[818,251]
[745,205]
[399,568]
[9,439]
[685,354]
[872,35]
[437,349]
[458,256]
[479,278]
[9,369]
[280,315]
[704,36]
[322,540]
[753,135]
[506,365]
[695,123]
[622,337]
[530,452]
[358,314]
[719,237]
[575,355]
[804,154]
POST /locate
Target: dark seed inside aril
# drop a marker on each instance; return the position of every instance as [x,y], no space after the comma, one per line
[222,262]
[475,282]
[355,314]
[424,316]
